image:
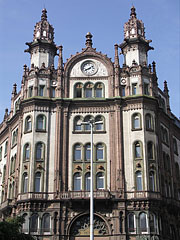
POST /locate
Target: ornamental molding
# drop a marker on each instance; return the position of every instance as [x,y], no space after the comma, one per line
[100,109]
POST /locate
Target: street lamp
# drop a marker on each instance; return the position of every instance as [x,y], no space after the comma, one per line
[91,122]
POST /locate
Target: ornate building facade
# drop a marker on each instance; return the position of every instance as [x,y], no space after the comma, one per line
[45,150]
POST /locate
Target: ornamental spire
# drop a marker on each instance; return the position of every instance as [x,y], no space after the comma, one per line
[44,15]
[89,39]
[133,12]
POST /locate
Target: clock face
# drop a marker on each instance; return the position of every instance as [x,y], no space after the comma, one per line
[89,68]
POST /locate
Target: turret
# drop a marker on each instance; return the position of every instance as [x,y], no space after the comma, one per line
[135,45]
[43,48]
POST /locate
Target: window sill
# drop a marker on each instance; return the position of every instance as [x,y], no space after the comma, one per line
[13,145]
[149,129]
[41,130]
[29,131]
[136,129]
[88,131]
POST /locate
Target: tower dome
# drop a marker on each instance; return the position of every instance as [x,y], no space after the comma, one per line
[43,29]
[42,48]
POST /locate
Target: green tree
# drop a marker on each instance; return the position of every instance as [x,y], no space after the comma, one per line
[11,229]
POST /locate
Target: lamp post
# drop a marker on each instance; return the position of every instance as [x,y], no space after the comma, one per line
[91,122]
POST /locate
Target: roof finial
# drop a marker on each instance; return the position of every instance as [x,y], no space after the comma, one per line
[133,12]
[88,39]
[44,14]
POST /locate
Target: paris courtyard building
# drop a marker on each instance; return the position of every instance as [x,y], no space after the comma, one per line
[45,149]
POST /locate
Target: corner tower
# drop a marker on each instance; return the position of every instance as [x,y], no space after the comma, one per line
[135,46]
[43,48]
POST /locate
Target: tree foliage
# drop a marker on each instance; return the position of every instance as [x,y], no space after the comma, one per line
[11,229]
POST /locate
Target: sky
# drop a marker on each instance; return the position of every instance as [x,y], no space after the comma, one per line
[105,19]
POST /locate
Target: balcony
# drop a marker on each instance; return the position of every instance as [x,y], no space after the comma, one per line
[143,195]
[34,196]
[8,203]
[101,194]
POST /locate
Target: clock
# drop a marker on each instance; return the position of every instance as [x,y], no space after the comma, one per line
[88,68]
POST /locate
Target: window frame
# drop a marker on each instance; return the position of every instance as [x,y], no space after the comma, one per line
[134,223]
[149,122]
[26,129]
[25,180]
[79,179]
[43,128]
[25,158]
[146,218]
[43,221]
[37,227]
[42,157]
[39,178]
[134,116]
[100,179]
[137,177]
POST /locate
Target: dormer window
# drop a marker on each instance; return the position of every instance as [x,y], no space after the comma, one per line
[139,31]
[44,33]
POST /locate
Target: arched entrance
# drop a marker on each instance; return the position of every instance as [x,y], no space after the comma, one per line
[80,228]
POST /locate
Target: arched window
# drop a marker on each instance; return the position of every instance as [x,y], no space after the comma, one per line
[100,180]
[77,182]
[39,151]
[26,152]
[99,126]
[139,186]
[131,222]
[25,183]
[99,152]
[151,181]
[46,222]
[150,150]
[149,122]
[77,152]
[87,152]
[34,223]
[77,123]
[89,90]
[14,138]
[41,123]
[143,222]
[25,226]
[28,124]
[137,150]
[136,121]
[87,127]
[37,182]
[152,223]
[87,181]
[99,90]
[78,90]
